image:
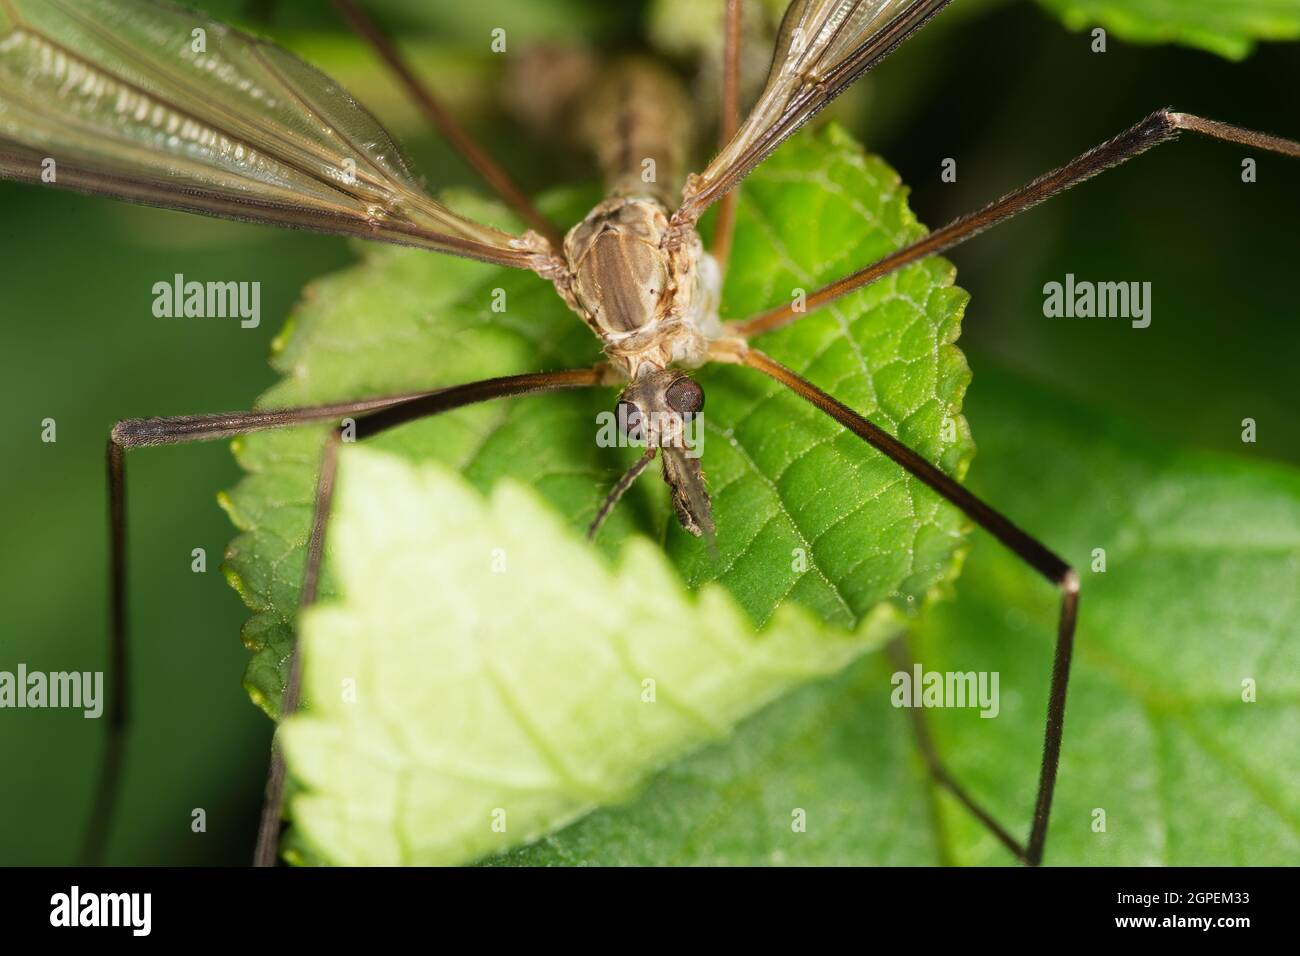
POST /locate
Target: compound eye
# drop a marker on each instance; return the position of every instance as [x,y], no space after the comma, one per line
[629,420]
[685,396]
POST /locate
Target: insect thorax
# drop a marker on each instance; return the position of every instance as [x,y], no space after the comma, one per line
[649,292]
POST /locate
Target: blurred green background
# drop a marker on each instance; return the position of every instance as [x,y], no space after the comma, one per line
[1000,86]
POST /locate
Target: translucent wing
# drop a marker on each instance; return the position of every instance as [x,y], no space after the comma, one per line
[144,101]
[823,46]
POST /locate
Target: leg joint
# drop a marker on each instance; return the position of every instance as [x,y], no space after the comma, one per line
[123,432]
[1069,582]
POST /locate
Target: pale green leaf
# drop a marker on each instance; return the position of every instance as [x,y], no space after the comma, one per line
[823,777]
[486,676]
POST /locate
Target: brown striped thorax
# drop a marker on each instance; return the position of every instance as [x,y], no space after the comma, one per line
[643,284]
[653,302]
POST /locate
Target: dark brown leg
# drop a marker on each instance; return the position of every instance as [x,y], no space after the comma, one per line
[728,124]
[901,657]
[268,830]
[436,113]
[1024,546]
[373,415]
[1160,127]
[107,786]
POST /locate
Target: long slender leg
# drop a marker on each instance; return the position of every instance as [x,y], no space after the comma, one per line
[436,113]
[113,757]
[385,412]
[389,416]
[268,829]
[1024,546]
[1160,127]
[901,657]
[141,433]
[729,122]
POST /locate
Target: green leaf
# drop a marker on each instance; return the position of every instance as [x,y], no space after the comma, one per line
[1199,594]
[486,666]
[823,777]
[791,489]
[1229,28]
[1202,557]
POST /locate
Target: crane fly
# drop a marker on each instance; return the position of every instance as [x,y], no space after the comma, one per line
[117,96]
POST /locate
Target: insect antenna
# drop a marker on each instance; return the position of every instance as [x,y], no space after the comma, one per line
[619,490]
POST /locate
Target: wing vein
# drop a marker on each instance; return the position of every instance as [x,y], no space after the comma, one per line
[239,129]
